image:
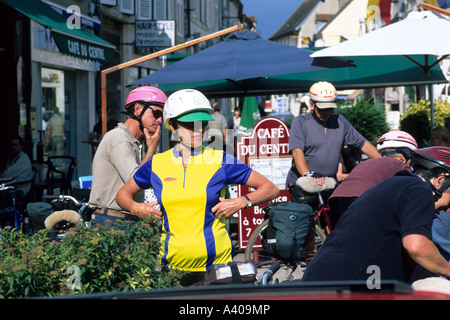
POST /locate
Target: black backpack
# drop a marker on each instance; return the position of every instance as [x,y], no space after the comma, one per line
[288,229]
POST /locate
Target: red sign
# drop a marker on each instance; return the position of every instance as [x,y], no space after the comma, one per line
[266,150]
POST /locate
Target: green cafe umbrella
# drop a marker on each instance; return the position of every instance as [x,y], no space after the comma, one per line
[370,72]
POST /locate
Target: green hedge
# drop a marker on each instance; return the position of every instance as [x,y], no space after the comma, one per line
[97,259]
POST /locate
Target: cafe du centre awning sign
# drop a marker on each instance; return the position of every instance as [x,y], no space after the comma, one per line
[70,37]
[265,150]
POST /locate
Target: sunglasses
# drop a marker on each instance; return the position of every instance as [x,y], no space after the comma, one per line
[156,113]
[193,125]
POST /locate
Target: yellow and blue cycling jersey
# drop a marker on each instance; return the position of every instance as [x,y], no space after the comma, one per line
[193,238]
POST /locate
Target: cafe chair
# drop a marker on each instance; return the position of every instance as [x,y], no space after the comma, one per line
[60,174]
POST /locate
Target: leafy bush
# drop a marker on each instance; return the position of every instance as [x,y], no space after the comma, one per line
[366,117]
[441,110]
[417,119]
[96,259]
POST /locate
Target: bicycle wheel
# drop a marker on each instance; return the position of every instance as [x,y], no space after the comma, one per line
[312,245]
[254,250]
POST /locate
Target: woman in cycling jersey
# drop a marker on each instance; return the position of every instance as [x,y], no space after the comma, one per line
[188,180]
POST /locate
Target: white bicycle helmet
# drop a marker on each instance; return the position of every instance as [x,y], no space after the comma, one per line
[323,94]
[396,139]
[187,105]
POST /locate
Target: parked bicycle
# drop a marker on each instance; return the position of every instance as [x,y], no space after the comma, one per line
[11,215]
[69,212]
[263,256]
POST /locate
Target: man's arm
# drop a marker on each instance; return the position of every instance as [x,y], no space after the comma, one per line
[370,150]
[423,251]
[300,161]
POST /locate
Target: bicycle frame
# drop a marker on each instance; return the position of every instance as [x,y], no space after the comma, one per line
[323,210]
[18,217]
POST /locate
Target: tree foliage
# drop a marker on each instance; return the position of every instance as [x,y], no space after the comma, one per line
[366,117]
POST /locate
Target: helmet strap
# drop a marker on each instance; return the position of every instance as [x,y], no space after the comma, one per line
[437,192]
[442,189]
[145,106]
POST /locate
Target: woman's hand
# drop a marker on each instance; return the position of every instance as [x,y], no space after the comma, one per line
[226,207]
[144,210]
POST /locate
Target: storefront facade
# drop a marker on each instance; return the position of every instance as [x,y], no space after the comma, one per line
[54,95]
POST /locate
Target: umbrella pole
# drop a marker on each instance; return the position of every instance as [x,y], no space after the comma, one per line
[105,72]
[430,87]
[434,8]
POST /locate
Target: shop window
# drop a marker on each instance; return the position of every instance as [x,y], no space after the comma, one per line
[53,112]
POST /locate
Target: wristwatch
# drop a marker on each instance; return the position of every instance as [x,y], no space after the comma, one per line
[249,202]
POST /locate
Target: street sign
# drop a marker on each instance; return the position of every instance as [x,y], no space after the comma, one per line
[265,150]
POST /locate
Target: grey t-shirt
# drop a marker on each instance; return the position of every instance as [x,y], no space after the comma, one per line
[116,160]
[321,149]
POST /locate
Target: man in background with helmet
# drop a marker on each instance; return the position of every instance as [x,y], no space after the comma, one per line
[386,233]
[317,139]
[395,148]
[119,153]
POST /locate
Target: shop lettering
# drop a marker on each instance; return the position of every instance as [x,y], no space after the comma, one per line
[266,143]
[264,149]
[271,133]
[83,50]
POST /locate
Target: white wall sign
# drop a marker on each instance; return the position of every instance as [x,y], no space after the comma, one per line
[152,33]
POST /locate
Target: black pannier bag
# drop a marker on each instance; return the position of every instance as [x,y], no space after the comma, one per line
[288,229]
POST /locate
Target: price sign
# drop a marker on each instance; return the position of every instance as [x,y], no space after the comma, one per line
[265,150]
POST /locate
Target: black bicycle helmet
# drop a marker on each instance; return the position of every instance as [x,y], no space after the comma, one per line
[426,159]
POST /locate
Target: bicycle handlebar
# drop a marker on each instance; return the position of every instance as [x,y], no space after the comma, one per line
[62,197]
[309,185]
[268,274]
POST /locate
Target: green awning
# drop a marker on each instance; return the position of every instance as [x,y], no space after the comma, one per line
[75,42]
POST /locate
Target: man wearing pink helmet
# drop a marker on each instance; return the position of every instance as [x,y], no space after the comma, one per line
[394,147]
[119,154]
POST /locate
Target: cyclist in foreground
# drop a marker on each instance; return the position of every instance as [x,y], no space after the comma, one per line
[187,181]
[395,148]
[387,221]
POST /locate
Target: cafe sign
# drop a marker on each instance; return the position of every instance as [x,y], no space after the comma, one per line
[265,150]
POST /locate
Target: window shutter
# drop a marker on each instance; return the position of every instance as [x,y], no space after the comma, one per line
[144,10]
[127,6]
[160,10]
[109,2]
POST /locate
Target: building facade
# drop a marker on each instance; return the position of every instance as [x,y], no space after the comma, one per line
[54,70]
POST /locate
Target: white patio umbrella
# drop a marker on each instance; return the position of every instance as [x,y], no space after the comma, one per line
[421,33]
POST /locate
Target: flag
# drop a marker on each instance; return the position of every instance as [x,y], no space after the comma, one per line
[307,41]
[249,116]
[443,4]
[384,10]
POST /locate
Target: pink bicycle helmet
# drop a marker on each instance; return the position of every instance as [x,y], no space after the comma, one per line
[396,139]
[146,94]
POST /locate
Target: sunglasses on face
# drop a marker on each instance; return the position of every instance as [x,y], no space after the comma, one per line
[193,125]
[156,113]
